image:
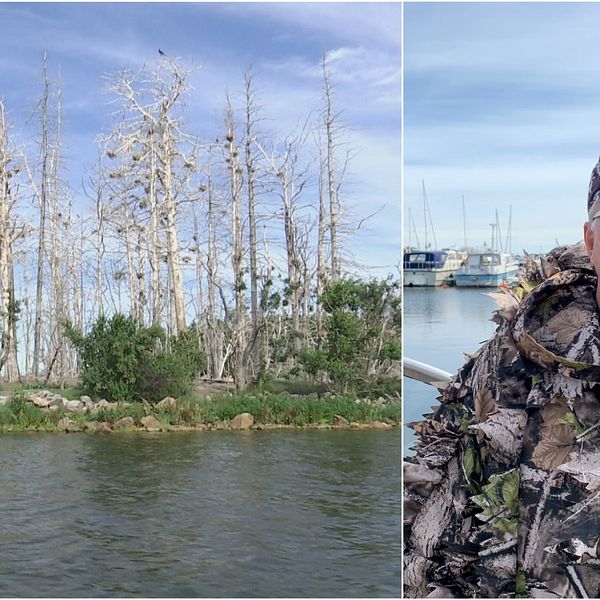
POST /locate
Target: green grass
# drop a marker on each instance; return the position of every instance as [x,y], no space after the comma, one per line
[274,409]
[373,388]
[18,414]
[381,386]
[281,410]
[296,386]
[70,393]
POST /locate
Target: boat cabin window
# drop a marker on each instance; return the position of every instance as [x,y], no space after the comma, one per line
[484,260]
[425,260]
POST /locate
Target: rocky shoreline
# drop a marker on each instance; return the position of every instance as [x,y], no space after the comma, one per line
[48,402]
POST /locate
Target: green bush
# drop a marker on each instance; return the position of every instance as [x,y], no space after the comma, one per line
[172,373]
[122,361]
[362,332]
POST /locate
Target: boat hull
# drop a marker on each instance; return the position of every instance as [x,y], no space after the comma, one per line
[425,278]
[485,279]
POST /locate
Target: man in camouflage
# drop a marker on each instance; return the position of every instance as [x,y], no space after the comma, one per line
[502,498]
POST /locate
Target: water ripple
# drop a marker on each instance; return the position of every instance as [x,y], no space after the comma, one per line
[275,514]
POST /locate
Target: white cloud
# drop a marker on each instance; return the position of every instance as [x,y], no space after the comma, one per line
[363,22]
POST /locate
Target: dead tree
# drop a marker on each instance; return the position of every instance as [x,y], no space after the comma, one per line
[251,110]
[149,144]
[237,252]
[322,277]
[290,178]
[9,168]
[216,351]
[45,150]
[334,173]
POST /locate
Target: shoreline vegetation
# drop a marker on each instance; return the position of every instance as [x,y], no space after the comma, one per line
[68,411]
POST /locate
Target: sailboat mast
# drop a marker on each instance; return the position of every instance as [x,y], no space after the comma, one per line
[500,248]
[428,214]
[464,222]
[412,222]
[425,211]
[509,231]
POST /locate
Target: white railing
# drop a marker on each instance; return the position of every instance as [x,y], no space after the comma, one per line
[425,373]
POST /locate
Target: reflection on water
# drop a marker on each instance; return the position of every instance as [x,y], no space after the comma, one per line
[278,514]
[440,324]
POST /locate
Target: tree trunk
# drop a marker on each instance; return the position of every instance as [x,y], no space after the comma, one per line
[331,186]
[41,251]
[250,181]
[239,338]
[153,241]
[173,258]
[8,307]
[322,229]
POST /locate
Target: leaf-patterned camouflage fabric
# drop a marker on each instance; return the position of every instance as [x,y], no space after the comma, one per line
[502,498]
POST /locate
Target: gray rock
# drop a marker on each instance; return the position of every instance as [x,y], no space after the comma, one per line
[103,427]
[339,421]
[63,423]
[85,399]
[380,425]
[68,426]
[103,405]
[74,405]
[56,400]
[168,403]
[39,401]
[124,422]
[151,423]
[4,400]
[242,421]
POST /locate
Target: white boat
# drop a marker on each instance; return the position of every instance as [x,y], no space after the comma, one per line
[430,267]
[487,269]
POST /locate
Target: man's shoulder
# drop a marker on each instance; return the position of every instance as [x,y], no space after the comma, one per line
[547,320]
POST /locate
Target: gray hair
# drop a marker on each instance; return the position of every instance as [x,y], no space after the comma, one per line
[594,208]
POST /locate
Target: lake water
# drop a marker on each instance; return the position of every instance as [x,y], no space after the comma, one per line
[223,514]
[439,325]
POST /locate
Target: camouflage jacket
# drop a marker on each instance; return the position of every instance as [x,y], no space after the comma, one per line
[502,498]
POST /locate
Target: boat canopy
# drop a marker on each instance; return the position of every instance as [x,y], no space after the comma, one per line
[487,259]
[424,260]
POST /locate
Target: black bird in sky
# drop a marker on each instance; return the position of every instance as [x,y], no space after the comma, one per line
[161,52]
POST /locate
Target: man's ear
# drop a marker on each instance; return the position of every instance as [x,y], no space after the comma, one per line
[588,236]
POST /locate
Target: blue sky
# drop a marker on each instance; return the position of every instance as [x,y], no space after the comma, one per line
[284,43]
[502,105]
